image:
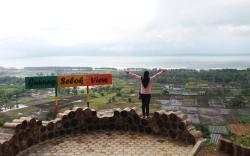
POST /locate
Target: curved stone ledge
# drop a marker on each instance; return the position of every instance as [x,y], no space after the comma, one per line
[25,132]
[231,148]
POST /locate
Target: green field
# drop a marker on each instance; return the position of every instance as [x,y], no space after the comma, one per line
[245,118]
[121,94]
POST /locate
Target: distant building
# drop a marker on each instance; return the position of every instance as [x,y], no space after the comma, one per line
[106,68]
[198,91]
[179,89]
[174,89]
[136,69]
[216,132]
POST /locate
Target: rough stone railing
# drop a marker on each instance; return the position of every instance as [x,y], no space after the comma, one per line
[22,133]
[231,148]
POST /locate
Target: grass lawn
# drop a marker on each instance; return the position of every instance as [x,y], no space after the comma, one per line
[102,102]
[32,101]
[10,115]
[245,119]
[244,140]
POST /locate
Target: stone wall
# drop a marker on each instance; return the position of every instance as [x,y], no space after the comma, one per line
[231,148]
[25,132]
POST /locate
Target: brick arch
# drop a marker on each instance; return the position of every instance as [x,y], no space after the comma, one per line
[25,132]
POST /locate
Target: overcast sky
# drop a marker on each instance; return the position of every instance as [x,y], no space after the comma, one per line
[31,28]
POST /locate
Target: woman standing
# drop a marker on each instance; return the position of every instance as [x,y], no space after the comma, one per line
[146,85]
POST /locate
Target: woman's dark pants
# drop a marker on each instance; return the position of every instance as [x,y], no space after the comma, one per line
[145,98]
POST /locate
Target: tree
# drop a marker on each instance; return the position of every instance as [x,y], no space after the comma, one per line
[129,100]
[245,92]
[237,101]
[165,91]
[82,92]
[67,91]
[132,91]
[203,129]
[113,98]
[110,100]
[5,101]
[118,91]
[118,94]
[75,91]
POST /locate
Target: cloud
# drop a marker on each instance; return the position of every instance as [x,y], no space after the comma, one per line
[242,30]
[121,28]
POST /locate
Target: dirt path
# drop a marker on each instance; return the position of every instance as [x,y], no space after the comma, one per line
[209,151]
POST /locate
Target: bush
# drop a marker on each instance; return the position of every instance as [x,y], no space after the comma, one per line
[245,119]
[118,94]
[102,94]
[245,141]
[113,99]
[92,95]
[209,143]
[1,122]
[50,115]
[110,100]
[236,102]
[165,91]
[203,129]
[129,99]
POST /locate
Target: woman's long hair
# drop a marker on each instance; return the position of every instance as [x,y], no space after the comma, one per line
[145,79]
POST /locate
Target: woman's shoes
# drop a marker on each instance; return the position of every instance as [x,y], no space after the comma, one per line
[145,117]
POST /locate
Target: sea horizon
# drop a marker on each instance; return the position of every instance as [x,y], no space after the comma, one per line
[123,62]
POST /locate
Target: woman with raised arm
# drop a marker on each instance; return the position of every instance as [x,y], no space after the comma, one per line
[146,85]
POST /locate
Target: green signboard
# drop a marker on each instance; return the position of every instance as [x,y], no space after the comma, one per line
[40,82]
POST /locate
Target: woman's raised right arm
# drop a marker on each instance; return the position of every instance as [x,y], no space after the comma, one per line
[135,76]
[158,74]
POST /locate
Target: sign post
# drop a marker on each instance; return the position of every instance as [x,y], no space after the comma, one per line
[40,82]
[56,82]
[57,109]
[71,81]
[43,82]
[96,80]
[87,96]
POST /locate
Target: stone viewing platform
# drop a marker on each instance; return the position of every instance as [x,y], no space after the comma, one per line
[110,143]
[81,131]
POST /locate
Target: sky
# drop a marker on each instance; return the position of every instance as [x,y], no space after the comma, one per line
[44,28]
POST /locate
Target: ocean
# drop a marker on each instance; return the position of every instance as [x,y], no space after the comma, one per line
[120,62]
